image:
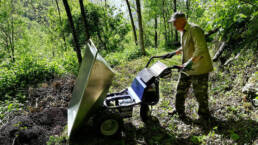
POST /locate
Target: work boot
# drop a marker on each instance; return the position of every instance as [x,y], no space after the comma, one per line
[182,116]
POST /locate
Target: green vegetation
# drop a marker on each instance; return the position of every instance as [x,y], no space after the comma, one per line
[37,46]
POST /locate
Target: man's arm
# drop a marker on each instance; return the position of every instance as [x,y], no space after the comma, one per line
[171,54]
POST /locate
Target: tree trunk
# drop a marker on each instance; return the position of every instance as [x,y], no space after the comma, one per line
[12,33]
[76,41]
[168,26]
[7,39]
[174,12]
[165,23]
[84,20]
[156,33]
[132,22]
[187,8]
[219,52]
[61,22]
[141,41]
[160,24]
[12,40]
[101,41]
[212,32]
[171,33]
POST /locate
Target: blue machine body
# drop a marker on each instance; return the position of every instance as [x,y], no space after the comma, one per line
[138,86]
[144,89]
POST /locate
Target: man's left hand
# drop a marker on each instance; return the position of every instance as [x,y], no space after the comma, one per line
[186,66]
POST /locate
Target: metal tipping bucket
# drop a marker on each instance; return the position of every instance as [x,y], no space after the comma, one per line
[92,84]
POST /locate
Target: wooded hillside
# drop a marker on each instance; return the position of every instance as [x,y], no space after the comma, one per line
[42,44]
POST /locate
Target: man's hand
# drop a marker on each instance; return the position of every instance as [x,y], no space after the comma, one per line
[179,51]
[188,66]
[171,54]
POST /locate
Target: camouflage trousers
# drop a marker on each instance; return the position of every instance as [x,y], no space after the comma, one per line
[200,87]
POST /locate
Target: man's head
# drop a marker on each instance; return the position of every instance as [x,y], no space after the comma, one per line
[178,19]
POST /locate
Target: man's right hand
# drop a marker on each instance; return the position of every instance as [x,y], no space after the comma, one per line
[179,51]
[171,54]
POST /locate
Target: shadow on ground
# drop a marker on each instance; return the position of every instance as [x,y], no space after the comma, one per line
[242,131]
[152,133]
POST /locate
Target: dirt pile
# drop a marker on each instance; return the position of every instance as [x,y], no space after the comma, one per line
[34,128]
[56,93]
[45,115]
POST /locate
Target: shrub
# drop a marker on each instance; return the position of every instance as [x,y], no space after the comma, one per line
[69,62]
[24,72]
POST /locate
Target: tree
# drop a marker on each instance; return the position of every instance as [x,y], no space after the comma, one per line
[152,12]
[175,10]
[60,21]
[165,22]
[84,20]
[76,41]
[7,28]
[156,33]
[105,3]
[141,41]
[12,32]
[132,22]
[188,7]
[108,31]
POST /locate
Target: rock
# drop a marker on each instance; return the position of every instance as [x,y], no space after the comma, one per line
[251,89]
[251,86]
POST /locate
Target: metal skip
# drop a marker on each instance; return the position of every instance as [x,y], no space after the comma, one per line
[92,84]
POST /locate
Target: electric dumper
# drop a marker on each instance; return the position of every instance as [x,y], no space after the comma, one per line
[91,101]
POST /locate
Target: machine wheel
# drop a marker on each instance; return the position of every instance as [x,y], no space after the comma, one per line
[145,112]
[109,124]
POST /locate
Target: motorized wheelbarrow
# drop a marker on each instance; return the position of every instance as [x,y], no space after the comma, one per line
[91,103]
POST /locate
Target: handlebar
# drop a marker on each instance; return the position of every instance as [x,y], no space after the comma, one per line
[152,59]
[175,67]
[169,55]
[179,69]
[168,71]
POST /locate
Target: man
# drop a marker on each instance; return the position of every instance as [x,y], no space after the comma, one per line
[196,64]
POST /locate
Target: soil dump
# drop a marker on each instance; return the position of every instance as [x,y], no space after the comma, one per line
[45,115]
[34,129]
